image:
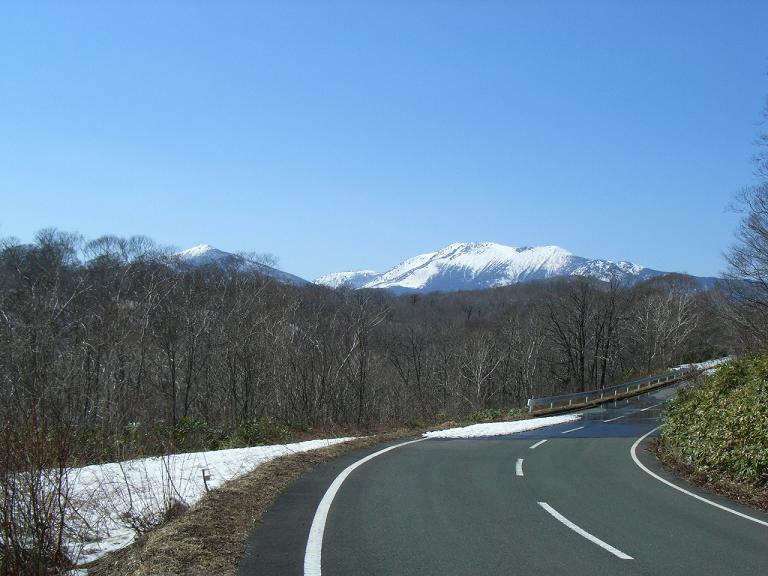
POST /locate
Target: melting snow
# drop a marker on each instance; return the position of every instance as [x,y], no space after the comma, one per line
[101,492]
[502,428]
[708,367]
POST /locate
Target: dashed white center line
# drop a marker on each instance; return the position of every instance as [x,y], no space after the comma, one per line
[519,467]
[649,407]
[539,443]
[584,533]
[571,430]
[612,419]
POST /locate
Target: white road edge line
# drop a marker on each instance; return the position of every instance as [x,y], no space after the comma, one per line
[314,550]
[571,430]
[539,443]
[519,467]
[584,533]
[633,451]
[612,419]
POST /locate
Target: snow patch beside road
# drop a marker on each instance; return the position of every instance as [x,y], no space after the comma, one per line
[708,367]
[104,495]
[502,428]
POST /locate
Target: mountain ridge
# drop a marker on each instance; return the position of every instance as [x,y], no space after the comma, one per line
[457,266]
[480,265]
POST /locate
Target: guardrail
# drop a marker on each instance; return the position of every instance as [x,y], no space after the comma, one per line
[605,394]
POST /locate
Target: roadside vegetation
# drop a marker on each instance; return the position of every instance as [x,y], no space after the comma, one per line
[716,432]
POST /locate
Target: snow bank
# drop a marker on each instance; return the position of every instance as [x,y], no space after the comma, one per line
[501,428]
[104,494]
[708,367]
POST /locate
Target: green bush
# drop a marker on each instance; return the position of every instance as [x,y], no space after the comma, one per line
[138,439]
[721,424]
[191,434]
[262,430]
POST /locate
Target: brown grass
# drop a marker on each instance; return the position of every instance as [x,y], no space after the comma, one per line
[210,537]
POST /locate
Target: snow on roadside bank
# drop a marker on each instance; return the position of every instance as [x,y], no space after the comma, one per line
[104,494]
[708,367]
[501,428]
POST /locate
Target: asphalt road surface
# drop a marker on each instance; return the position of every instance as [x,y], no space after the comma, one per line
[577,504]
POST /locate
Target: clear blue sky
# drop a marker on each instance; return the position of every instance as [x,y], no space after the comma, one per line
[346,135]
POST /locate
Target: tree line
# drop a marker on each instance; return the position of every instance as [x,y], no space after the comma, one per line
[114,335]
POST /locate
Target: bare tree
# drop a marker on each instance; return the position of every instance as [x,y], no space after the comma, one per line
[747,276]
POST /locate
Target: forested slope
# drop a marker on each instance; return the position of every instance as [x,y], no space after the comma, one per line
[133,353]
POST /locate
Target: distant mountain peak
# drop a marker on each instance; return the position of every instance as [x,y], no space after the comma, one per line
[478,265]
[203,254]
[207,255]
[196,251]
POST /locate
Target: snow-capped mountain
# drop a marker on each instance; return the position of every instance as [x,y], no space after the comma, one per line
[477,265]
[206,255]
[356,279]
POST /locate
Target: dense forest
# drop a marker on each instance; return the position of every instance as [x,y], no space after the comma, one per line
[123,346]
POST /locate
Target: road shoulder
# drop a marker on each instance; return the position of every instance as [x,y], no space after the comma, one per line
[728,495]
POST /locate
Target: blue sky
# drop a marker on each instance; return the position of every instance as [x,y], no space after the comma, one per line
[346,135]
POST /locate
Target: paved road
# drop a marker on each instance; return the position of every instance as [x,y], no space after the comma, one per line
[576,504]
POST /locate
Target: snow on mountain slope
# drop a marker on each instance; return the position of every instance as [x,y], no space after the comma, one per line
[482,264]
[477,265]
[204,254]
[350,279]
[207,255]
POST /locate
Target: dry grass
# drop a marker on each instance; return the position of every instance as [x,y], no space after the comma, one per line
[210,537]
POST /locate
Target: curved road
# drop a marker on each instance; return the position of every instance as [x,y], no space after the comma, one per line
[577,504]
